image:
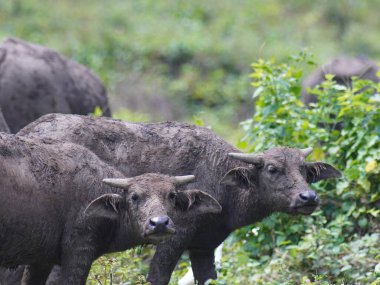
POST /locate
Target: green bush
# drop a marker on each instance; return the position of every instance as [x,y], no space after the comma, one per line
[340,242]
[128,268]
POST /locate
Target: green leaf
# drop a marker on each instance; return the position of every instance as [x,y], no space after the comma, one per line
[98,112]
[257,92]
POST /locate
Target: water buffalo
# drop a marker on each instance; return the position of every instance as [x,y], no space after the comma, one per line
[248,187]
[343,69]
[54,208]
[35,80]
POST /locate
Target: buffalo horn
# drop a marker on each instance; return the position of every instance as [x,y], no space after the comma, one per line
[180,180]
[247,157]
[118,182]
[306,151]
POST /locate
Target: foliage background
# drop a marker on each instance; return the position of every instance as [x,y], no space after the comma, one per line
[191,61]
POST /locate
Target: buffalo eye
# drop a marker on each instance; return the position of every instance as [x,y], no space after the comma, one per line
[135,197]
[172,195]
[272,169]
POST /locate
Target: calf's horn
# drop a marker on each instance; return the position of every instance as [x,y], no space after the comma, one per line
[118,182]
[306,151]
[180,180]
[247,157]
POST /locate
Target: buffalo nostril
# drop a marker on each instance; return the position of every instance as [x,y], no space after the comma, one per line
[308,196]
[304,196]
[152,223]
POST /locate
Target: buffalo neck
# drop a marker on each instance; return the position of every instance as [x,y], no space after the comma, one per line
[241,206]
[124,236]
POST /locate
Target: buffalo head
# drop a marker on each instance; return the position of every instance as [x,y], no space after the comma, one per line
[150,202]
[280,179]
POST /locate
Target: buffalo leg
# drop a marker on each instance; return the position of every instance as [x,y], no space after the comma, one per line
[55,276]
[36,274]
[163,263]
[75,266]
[78,252]
[202,263]
[11,276]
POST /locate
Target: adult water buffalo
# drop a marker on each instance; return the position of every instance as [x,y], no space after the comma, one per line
[35,80]
[343,69]
[249,187]
[54,208]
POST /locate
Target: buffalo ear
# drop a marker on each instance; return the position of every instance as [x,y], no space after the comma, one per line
[239,177]
[316,171]
[106,206]
[197,202]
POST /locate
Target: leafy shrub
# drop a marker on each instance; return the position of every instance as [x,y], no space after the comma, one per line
[127,268]
[340,242]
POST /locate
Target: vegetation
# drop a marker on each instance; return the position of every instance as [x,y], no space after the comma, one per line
[190,60]
[339,243]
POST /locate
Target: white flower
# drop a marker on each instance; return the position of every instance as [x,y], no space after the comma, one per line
[377,268]
[255,231]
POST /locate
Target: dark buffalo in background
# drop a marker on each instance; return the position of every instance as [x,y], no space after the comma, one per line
[343,69]
[54,208]
[248,187]
[36,80]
